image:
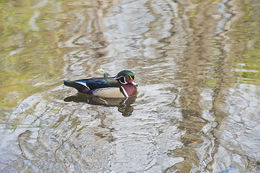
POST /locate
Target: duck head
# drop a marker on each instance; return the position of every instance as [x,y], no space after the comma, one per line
[125,77]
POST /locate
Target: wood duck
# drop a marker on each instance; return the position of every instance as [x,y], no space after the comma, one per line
[120,86]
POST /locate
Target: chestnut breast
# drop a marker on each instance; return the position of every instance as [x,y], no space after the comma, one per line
[130,89]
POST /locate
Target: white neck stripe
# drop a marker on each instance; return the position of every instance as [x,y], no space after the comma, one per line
[125,93]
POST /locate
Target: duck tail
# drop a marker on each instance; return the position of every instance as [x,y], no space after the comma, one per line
[80,86]
[68,83]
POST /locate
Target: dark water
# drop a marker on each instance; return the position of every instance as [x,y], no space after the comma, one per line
[197,64]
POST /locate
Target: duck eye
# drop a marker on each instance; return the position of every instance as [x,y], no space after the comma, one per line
[122,80]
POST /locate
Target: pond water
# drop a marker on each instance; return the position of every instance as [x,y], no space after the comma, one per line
[197,64]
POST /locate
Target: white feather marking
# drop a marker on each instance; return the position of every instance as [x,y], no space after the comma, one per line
[125,93]
[82,83]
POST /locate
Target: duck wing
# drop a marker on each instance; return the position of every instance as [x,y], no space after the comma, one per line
[93,83]
[96,83]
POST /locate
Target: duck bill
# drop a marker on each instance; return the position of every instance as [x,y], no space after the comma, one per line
[132,82]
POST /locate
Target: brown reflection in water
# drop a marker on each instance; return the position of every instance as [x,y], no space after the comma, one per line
[123,104]
[194,69]
[207,63]
[238,46]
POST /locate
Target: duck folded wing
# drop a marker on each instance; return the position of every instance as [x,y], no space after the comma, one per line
[92,83]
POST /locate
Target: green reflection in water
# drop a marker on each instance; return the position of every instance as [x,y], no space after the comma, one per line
[244,52]
[30,60]
[247,45]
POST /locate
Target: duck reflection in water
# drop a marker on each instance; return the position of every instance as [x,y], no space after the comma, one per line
[123,104]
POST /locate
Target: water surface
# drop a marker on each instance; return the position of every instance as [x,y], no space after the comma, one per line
[198,69]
